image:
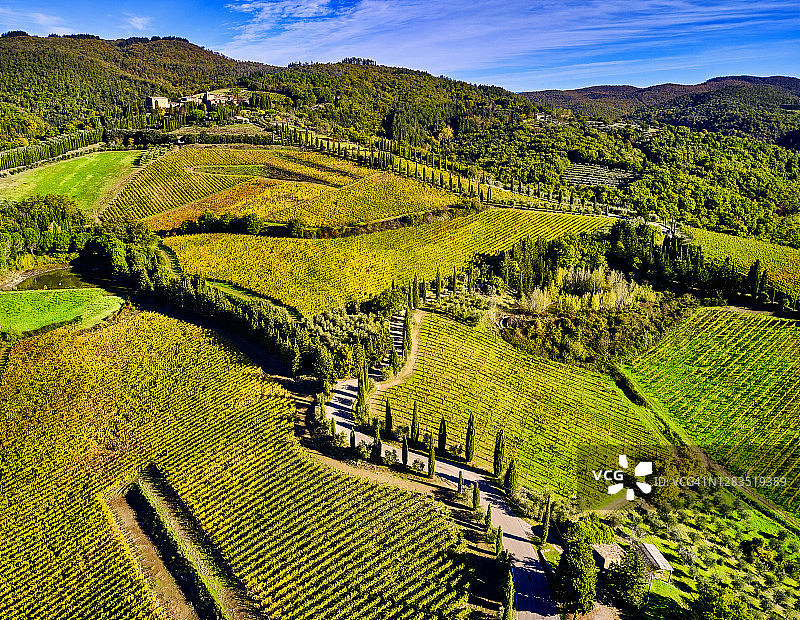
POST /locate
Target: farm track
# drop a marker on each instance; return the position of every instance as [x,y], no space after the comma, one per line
[171,601]
[534,599]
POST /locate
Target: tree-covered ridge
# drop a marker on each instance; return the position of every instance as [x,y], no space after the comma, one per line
[398,103]
[760,112]
[65,80]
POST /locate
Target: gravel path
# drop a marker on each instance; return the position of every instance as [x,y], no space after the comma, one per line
[534,599]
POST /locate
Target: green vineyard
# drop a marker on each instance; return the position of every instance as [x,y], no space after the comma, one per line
[733,381]
[308,542]
[317,274]
[555,417]
[781,262]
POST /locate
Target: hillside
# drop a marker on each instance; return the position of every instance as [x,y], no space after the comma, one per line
[65,79]
[745,98]
[398,103]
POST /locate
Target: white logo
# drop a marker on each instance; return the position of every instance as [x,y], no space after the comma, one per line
[642,469]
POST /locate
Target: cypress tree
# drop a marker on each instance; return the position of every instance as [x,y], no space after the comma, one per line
[377,446]
[352,439]
[470,441]
[498,542]
[431,459]
[415,293]
[470,282]
[333,427]
[388,422]
[405,450]
[407,334]
[488,519]
[414,425]
[511,481]
[438,284]
[509,598]
[442,436]
[460,482]
[546,520]
[476,496]
[499,453]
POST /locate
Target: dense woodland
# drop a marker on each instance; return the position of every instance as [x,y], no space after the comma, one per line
[63,83]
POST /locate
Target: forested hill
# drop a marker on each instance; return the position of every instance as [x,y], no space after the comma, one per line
[618,101]
[398,103]
[66,79]
[761,112]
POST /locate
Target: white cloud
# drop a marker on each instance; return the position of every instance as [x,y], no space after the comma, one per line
[34,21]
[457,38]
[137,22]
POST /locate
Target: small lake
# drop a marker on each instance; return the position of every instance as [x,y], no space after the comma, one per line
[61,278]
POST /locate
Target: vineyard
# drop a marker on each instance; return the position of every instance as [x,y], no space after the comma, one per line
[192,174]
[24,311]
[317,274]
[731,380]
[591,175]
[87,178]
[153,390]
[555,417]
[782,263]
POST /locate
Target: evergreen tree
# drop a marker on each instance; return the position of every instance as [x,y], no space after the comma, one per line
[415,425]
[627,579]
[438,284]
[476,496]
[415,293]
[405,450]
[576,577]
[377,446]
[470,283]
[442,435]
[511,482]
[431,459]
[546,519]
[352,439]
[498,542]
[333,427]
[509,597]
[388,426]
[499,453]
[717,602]
[470,440]
[487,522]
[460,482]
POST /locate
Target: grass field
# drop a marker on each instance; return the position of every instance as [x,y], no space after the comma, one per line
[555,417]
[81,413]
[317,274]
[24,311]
[87,179]
[781,262]
[732,380]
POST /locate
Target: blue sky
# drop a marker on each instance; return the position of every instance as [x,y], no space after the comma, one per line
[518,44]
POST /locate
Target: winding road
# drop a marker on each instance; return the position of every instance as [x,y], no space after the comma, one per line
[534,599]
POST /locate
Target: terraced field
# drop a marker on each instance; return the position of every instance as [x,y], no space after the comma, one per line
[733,381]
[781,262]
[556,418]
[153,390]
[193,173]
[589,174]
[317,274]
[23,311]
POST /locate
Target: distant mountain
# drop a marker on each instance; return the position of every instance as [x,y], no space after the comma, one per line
[65,79]
[761,107]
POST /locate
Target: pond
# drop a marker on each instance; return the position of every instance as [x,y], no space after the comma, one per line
[61,278]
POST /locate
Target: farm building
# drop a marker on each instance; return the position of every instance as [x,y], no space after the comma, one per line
[157,102]
[655,562]
[605,556]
